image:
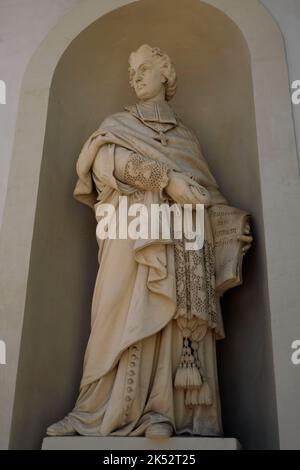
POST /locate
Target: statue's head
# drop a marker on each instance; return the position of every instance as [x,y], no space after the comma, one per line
[152,74]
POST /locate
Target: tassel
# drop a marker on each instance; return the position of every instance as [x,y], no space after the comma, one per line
[193,378]
[196,397]
[205,395]
[187,378]
[180,377]
[187,374]
[191,397]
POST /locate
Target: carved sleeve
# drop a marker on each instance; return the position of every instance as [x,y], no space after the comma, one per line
[141,172]
[115,164]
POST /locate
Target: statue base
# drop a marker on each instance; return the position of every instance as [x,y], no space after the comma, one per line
[139,443]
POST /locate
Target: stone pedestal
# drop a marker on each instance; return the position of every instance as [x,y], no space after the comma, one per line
[139,443]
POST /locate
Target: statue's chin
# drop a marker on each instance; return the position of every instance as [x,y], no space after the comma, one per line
[143,96]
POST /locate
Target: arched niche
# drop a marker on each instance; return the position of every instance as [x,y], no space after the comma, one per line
[225,52]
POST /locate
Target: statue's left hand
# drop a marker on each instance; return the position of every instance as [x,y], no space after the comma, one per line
[184,190]
[246,238]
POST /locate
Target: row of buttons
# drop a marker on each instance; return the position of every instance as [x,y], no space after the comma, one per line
[131,382]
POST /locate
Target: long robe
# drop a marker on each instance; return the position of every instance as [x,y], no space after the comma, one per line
[135,344]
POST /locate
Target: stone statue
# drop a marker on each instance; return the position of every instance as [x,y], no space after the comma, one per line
[150,363]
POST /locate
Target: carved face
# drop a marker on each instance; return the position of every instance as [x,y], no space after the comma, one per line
[147,79]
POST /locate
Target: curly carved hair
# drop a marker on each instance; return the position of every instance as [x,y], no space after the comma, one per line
[166,67]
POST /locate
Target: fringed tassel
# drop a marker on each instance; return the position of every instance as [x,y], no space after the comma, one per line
[194,378]
[191,397]
[187,378]
[199,397]
[187,375]
[205,395]
[180,378]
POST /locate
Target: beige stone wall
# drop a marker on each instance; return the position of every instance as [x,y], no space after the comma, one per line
[23,25]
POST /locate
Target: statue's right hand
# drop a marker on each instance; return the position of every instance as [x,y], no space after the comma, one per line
[184,190]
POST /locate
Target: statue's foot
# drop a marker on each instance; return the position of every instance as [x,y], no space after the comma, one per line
[61,428]
[159,431]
